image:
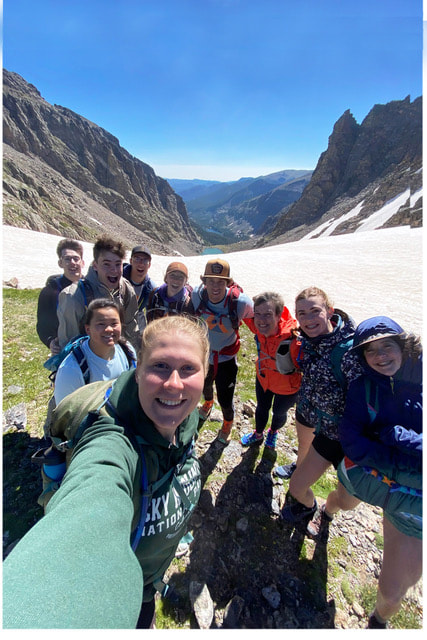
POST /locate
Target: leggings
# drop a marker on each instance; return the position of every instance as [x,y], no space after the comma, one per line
[225,382]
[281,404]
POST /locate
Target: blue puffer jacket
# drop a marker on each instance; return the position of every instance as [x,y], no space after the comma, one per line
[321,398]
[382,422]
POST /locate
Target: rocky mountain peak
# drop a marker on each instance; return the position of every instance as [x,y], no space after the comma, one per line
[101,183]
[383,154]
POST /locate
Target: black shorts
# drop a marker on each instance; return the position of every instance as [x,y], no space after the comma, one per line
[329,449]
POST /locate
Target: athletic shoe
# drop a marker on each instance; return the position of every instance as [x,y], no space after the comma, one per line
[271,439]
[297,512]
[248,439]
[285,471]
[224,436]
[184,545]
[206,409]
[374,623]
[320,523]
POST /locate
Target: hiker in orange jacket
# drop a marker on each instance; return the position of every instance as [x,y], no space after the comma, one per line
[277,379]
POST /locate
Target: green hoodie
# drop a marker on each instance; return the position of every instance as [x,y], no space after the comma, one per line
[75,568]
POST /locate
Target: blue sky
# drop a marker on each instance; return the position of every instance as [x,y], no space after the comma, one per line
[217,89]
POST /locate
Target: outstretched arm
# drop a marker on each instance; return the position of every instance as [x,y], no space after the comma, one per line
[75,568]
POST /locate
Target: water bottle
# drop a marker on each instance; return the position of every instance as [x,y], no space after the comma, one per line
[54,463]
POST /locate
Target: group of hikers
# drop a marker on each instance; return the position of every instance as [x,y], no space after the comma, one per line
[131,362]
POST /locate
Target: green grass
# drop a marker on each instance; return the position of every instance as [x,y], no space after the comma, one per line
[23,357]
[408,617]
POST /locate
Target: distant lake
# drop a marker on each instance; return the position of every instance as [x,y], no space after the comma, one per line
[210,250]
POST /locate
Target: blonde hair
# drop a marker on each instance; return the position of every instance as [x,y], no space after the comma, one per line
[195,328]
[310,292]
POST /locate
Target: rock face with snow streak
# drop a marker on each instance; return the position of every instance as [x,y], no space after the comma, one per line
[369,164]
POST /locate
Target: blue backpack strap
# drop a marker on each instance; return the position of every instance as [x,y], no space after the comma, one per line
[86,290]
[81,361]
[337,354]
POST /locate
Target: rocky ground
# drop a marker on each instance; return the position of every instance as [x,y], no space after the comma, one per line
[245,569]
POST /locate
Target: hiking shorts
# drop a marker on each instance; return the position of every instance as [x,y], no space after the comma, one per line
[329,449]
[403,510]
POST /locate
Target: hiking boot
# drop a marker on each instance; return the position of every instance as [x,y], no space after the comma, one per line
[320,523]
[224,436]
[271,439]
[285,471]
[297,512]
[248,439]
[374,623]
[206,409]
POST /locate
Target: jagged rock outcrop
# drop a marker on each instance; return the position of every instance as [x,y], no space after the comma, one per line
[49,145]
[381,156]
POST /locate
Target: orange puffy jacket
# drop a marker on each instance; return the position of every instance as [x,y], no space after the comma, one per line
[267,374]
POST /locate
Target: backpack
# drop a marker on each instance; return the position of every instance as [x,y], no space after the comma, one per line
[158,307]
[71,417]
[52,364]
[230,303]
[74,347]
[336,357]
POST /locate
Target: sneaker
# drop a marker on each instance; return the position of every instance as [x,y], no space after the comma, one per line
[182,549]
[184,545]
[285,471]
[248,439]
[271,439]
[224,436]
[374,623]
[320,523]
[206,409]
[297,512]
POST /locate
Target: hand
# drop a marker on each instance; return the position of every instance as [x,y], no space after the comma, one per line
[54,346]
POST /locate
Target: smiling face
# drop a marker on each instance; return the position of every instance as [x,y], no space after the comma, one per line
[314,316]
[104,330]
[140,263]
[216,288]
[109,269]
[383,356]
[175,281]
[265,318]
[72,263]
[170,379]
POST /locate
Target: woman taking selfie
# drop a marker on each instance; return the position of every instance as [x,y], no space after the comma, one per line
[78,559]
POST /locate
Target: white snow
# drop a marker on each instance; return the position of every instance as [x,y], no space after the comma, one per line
[330,225]
[381,216]
[366,274]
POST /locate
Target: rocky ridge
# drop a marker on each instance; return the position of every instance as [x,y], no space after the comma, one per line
[372,162]
[64,174]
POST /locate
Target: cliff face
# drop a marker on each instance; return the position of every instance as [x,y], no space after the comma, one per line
[97,176]
[379,158]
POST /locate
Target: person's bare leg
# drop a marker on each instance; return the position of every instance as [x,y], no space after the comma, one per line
[306,474]
[401,569]
[340,499]
[305,437]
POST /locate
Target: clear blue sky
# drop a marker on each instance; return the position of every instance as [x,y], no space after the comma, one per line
[217,89]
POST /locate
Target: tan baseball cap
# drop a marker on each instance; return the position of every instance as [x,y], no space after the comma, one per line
[217,268]
[177,266]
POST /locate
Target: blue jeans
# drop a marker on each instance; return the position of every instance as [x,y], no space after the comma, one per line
[280,403]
